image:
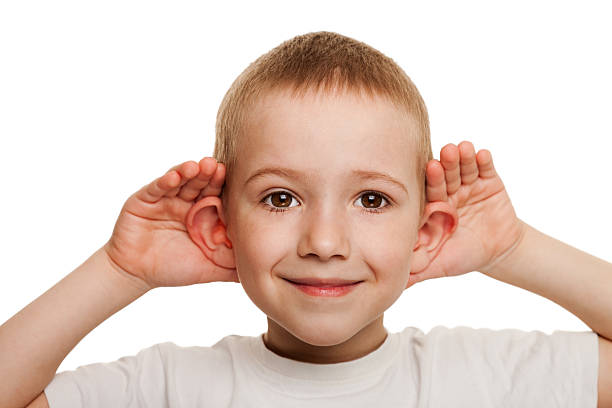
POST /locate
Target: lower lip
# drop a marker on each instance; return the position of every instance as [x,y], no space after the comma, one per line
[330,291]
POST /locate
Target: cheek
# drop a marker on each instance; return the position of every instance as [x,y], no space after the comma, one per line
[386,243]
[257,250]
[387,250]
[262,239]
[259,241]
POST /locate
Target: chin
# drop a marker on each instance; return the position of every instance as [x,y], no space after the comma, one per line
[324,335]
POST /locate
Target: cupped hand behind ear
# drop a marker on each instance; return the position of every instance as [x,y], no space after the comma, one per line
[152,240]
[487,230]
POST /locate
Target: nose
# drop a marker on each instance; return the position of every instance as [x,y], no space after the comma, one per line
[325,235]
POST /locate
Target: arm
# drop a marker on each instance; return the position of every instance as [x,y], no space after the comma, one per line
[37,339]
[149,236]
[40,402]
[490,238]
[579,282]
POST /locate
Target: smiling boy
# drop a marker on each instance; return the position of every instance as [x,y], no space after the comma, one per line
[308,217]
[331,208]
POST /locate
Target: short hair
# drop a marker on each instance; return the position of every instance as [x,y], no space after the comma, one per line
[312,61]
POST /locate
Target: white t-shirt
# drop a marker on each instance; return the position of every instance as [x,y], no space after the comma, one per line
[446,367]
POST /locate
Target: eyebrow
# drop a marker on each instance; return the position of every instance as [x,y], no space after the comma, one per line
[293,174]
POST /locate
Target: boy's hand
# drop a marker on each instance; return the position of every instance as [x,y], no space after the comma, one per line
[150,240]
[488,228]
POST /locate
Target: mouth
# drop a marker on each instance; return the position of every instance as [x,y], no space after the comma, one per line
[323,283]
[324,287]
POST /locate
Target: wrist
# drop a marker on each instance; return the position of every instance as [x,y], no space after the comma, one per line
[510,256]
[119,278]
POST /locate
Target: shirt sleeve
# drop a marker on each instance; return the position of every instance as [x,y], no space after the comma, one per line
[513,368]
[131,381]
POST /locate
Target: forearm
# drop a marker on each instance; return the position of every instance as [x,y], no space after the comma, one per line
[35,341]
[579,282]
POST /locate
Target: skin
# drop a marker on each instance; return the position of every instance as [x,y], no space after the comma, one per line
[168,209]
[324,231]
[176,230]
[172,232]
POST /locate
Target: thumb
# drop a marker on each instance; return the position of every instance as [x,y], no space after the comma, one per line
[432,271]
[220,274]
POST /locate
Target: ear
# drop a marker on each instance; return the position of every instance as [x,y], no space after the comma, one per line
[438,223]
[206,226]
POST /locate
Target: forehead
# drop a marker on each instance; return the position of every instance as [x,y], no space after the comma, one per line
[328,135]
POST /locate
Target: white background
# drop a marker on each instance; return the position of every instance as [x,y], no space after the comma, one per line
[100,98]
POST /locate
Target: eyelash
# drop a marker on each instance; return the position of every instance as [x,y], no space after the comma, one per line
[363,209]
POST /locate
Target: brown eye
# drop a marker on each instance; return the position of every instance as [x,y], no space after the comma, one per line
[280,199]
[371,200]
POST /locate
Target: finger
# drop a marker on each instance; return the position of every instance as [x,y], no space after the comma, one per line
[449,157]
[152,192]
[436,184]
[216,183]
[469,169]
[485,164]
[186,171]
[207,168]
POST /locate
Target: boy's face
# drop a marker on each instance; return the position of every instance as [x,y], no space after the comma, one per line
[326,231]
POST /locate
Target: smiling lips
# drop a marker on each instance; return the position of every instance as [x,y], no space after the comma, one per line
[324,287]
[322,282]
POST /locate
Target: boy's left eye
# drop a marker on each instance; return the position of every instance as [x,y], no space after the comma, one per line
[280,201]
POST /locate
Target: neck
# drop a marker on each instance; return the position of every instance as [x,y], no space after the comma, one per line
[280,341]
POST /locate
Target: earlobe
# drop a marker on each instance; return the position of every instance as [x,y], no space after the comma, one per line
[206,227]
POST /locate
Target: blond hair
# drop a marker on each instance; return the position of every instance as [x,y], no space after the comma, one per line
[308,62]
